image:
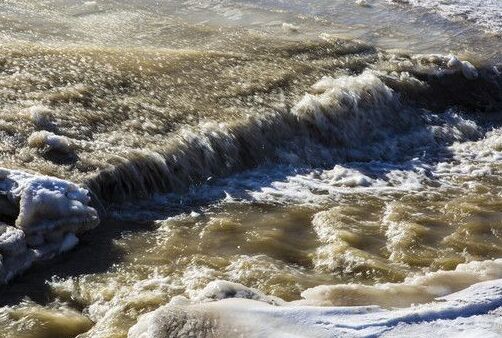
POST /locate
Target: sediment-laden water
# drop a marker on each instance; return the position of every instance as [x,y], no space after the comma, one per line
[250,167]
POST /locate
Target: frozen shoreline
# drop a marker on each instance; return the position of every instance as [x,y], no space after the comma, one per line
[474,311]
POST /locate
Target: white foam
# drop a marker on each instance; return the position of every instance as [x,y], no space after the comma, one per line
[363,3]
[290,28]
[487,14]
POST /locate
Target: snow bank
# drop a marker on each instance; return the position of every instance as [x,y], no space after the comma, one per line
[39,218]
[473,311]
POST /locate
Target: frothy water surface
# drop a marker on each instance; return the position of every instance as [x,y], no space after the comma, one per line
[242,149]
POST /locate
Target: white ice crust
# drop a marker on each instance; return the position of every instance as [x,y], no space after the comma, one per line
[474,311]
[39,218]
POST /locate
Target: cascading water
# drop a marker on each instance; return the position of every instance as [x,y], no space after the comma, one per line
[261,168]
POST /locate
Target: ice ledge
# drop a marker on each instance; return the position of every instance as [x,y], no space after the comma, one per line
[474,311]
[40,217]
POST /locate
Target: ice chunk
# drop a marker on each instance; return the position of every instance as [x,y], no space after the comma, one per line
[48,204]
[14,265]
[221,289]
[50,141]
[69,242]
[454,62]
[44,214]
[12,241]
[468,70]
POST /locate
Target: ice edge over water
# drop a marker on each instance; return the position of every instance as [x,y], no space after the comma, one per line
[474,310]
[40,217]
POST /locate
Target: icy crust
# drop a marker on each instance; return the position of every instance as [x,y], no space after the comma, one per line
[472,311]
[39,218]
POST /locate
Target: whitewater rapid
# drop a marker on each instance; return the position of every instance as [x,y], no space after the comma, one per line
[261,168]
[486,15]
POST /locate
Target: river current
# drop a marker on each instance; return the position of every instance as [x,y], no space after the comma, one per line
[295,153]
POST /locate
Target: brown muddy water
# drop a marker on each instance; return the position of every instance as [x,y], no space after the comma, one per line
[309,150]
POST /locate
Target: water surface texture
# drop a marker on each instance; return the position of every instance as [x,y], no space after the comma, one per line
[259,168]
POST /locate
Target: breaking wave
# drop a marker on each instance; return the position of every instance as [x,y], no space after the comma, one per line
[486,14]
[252,172]
[377,115]
[350,118]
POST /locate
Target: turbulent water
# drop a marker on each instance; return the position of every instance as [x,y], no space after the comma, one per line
[485,14]
[308,168]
